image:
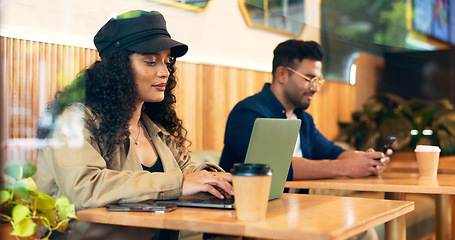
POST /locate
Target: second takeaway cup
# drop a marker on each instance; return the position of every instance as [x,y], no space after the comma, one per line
[251,184]
[427,160]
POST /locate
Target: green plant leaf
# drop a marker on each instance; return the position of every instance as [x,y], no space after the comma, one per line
[51,216]
[19,198]
[62,227]
[19,172]
[65,208]
[29,170]
[428,116]
[19,190]
[446,142]
[29,184]
[397,126]
[20,212]
[24,228]
[448,122]
[4,196]
[14,171]
[45,202]
[395,98]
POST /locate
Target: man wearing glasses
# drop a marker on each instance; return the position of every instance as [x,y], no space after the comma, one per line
[297,77]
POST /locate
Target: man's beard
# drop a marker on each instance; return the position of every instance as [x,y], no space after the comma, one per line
[305,106]
[301,105]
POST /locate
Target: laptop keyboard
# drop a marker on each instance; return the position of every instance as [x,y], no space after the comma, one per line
[215,200]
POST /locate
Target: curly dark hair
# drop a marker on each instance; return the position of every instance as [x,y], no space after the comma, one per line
[110,93]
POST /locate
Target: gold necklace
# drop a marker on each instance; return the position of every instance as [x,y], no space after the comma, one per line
[136,140]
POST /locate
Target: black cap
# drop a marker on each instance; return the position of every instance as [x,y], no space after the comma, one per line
[138,31]
[251,169]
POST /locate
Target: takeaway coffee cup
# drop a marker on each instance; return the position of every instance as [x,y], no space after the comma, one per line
[427,160]
[251,184]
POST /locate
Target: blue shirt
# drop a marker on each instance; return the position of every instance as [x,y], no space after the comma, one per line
[265,105]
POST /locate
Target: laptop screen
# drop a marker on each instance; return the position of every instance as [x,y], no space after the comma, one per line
[272,142]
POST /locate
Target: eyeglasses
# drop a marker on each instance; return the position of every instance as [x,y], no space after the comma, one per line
[314,82]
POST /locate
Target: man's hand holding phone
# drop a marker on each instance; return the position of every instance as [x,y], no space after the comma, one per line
[385,148]
[386,144]
[357,164]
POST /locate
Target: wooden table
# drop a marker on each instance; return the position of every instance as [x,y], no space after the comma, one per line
[396,185]
[293,216]
[406,162]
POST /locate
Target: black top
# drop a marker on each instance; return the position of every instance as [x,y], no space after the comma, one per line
[157,167]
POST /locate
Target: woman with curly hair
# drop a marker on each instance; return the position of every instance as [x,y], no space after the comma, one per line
[116,136]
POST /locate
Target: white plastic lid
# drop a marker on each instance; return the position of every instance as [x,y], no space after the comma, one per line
[427,148]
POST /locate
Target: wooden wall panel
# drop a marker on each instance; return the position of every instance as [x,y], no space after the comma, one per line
[33,72]
[334,102]
[214,108]
[189,102]
[205,93]
[3,101]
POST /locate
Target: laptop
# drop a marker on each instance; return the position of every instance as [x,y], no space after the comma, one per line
[272,142]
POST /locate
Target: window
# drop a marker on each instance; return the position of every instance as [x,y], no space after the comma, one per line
[283,16]
[193,5]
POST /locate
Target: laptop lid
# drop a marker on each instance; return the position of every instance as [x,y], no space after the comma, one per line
[272,142]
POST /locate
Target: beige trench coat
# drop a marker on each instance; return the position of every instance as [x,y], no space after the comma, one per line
[72,165]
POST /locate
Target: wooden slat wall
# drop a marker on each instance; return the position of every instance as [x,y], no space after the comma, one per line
[33,69]
[205,93]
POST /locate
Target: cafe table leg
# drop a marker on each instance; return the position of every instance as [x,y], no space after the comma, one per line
[443,217]
[453,216]
[395,229]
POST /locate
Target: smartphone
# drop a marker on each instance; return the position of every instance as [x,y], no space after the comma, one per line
[142,207]
[386,144]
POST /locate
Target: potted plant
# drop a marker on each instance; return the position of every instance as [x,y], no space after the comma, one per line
[29,210]
[412,122]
